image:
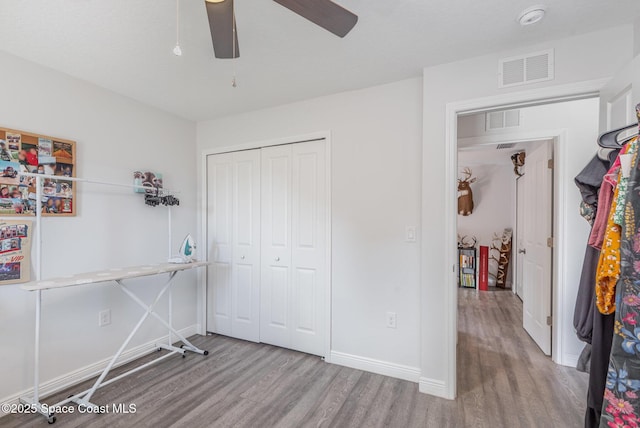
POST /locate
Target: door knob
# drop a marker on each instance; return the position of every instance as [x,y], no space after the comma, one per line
[242,257]
[277,259]
[522,251]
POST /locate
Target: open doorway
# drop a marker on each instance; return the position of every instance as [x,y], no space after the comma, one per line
[486,142]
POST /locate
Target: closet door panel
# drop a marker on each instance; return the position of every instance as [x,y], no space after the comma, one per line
[219,242]
[308,233]
[275,246]
[246,246]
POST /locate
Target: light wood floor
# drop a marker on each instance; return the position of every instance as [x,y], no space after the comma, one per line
[504,381]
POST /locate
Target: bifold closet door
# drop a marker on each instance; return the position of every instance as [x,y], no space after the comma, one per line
[233,279]
[293,246]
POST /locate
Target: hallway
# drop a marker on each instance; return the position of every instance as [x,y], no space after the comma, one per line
[503,377]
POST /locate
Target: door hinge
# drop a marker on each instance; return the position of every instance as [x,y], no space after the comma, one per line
[550,164]
[549,320]
[550,242]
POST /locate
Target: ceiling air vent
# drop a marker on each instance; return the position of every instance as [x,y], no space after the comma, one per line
[525,69]
[505,146]
[502,119]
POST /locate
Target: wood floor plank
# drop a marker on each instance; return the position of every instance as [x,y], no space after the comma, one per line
[504,380]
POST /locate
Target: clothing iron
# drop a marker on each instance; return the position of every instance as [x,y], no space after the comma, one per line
[187,251]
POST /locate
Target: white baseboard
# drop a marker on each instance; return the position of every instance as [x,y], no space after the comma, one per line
[569,360]
[434,387]
[412,374]
[77,376]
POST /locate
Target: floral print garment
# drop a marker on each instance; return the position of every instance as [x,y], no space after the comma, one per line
[608,270]
[618,216]
[621,405]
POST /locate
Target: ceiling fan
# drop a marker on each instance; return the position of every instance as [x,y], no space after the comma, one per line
[324,13]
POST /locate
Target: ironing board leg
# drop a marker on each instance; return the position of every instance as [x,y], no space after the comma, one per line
[85,400]
[188,346]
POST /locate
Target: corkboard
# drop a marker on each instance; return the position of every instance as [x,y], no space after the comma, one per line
[36,153]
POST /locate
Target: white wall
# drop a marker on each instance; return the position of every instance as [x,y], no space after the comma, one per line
[114,136]
[493,197]
[375,159]
[591,56]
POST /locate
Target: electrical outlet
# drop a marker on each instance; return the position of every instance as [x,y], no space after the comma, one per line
[104,317]
[391,320]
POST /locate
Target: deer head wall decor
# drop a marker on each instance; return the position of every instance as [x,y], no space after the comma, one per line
[465,196]
[518,162]
[463,242]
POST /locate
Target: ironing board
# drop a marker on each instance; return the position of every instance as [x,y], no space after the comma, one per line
[117,276]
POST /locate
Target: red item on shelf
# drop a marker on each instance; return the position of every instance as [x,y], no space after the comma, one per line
[484,268]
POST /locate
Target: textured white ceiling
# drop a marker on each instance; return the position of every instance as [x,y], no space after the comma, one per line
[125,45]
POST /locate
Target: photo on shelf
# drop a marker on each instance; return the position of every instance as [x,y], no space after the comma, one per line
[151,180]
[53,205]
[13,138]
[10,272]
[47,165]
[45,146]
[64,170]
[29,183]
[63,152]
[15,251]
[5,154]
[13,192]
[64,189]
[30,154]
[9,172]
[67,206]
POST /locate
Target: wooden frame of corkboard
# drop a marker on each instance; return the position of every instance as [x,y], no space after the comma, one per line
[28,151]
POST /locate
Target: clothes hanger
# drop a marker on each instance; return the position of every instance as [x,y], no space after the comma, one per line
[609,139]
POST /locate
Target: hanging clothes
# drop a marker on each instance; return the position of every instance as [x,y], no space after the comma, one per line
[589,181]
[591,326]
[608,270]
[621,404]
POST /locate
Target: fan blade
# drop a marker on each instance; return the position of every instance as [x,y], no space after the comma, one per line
[224,34]
[324,13]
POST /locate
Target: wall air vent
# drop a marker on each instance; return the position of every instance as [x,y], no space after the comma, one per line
[526,69]
[502,119]
[505,146]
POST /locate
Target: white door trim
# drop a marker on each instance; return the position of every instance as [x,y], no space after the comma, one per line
[202,279]
[510,100]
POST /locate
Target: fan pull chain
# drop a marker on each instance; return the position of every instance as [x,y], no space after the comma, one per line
[177,51]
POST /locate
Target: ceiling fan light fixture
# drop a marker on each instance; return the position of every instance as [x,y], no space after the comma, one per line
[177,51]
[532,15]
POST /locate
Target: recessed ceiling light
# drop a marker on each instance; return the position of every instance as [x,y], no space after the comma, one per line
[532,15]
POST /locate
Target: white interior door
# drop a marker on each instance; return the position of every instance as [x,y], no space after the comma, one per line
[275,296]
[233,280]
[618,98]
[292,307]
[520,221]
[308,237]
[536,260]
[245,275]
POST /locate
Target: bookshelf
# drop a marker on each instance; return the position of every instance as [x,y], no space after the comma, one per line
[467,267]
